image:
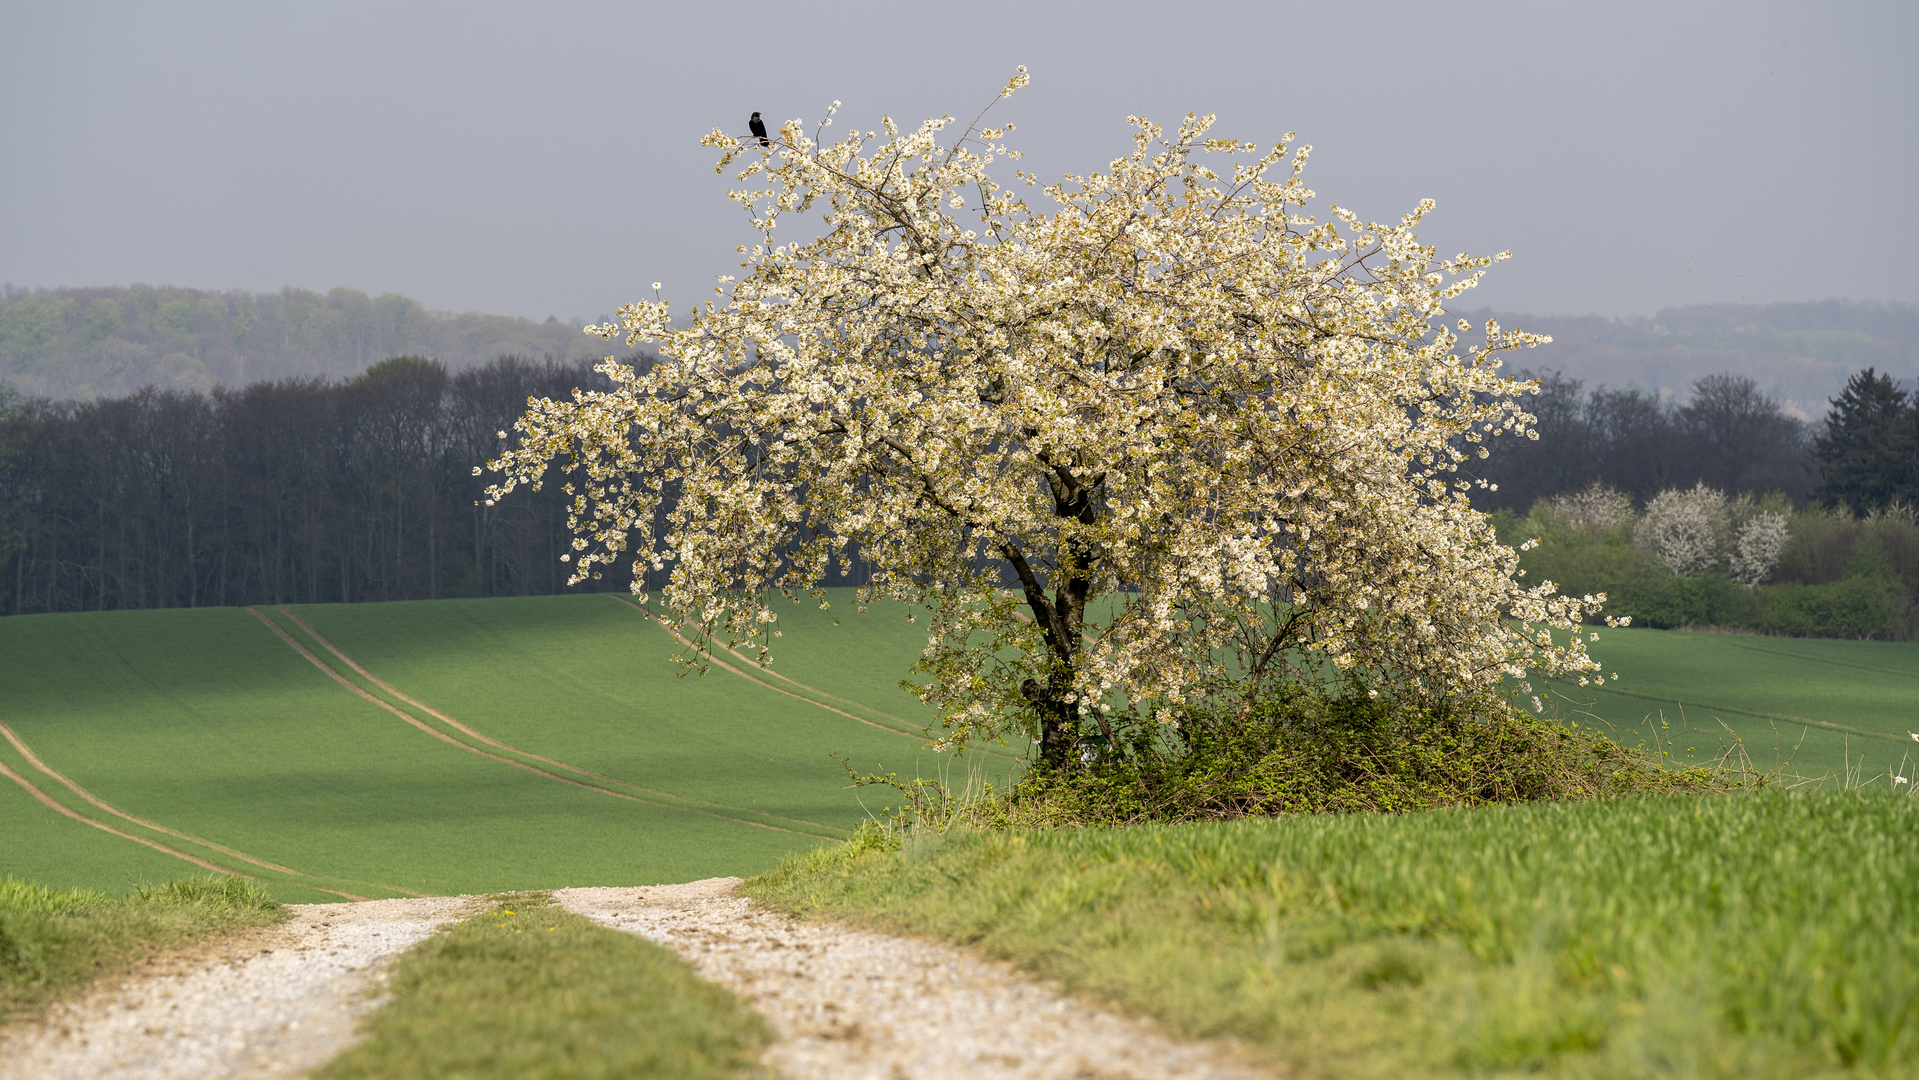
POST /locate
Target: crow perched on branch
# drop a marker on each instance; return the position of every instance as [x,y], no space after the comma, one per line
[758,128]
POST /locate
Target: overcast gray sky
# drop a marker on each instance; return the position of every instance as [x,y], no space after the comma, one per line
[544,159]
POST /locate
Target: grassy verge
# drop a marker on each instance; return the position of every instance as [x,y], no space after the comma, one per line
[528,990]
[54,942]
[1770,934]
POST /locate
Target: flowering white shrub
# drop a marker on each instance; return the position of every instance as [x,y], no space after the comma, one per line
[1686,528]
[1231,424]
[1756,551]
[1597,507]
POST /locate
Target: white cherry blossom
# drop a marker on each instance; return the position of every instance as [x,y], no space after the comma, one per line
[1157,432]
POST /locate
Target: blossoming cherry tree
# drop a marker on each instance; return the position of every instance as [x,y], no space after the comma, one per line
[1136,438]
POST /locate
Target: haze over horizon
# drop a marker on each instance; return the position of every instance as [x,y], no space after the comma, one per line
[547,162]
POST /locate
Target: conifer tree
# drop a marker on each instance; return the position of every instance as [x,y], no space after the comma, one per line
[1869,455]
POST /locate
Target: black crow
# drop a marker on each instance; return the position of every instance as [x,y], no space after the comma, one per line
[758,127]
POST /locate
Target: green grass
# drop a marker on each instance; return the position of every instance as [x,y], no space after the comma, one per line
[589,681]
[1764,935]
[530,991]
[862,657]
[205,722]
[1816,706]
[228,745]
[55,942]
[41,844]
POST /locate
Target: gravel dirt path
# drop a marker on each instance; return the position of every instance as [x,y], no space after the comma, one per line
[851,1005]
[848,1005]
[269,1003]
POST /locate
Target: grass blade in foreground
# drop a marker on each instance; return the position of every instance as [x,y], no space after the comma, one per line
[528,990]
[55,942]
[1763,935]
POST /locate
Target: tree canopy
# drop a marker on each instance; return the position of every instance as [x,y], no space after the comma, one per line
[1869,452]
[1162,437]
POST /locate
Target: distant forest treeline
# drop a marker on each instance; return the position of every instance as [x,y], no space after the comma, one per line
[1727,435]
[291,491]
[102,342]
[310,488]
[1708,514]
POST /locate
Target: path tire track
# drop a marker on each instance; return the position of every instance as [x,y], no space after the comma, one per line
[854,1005]
[274,1001]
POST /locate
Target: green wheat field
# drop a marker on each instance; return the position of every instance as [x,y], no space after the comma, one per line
[440,747]
[1808,707]
[452,746]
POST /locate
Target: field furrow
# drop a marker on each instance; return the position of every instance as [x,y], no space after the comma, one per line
[511,755]
[589,681]
[53,804]
[97,804]
[207,723]
[1812,707]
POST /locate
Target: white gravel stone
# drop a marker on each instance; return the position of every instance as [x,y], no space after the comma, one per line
[283,1001]
[851,1005]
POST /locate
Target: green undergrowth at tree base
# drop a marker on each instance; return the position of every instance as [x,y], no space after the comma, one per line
[1307,753]
[528,990]
[56,942]
[1755,935]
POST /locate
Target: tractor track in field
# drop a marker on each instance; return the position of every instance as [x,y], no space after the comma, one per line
[1825,662]
[20,746]
[668,802]
[746,662]
[32,759]
[756,680]
[59,807]
[1777,718]
[684,801]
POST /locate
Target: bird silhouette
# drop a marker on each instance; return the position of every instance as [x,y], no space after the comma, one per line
[758,127]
